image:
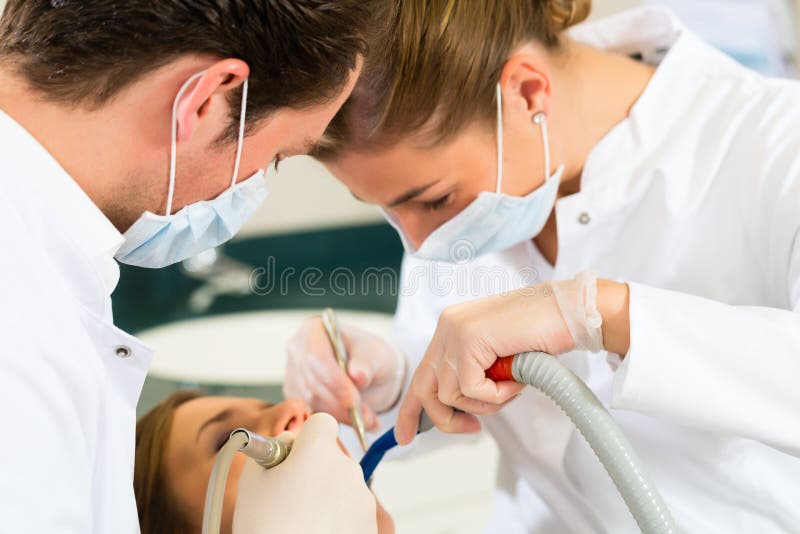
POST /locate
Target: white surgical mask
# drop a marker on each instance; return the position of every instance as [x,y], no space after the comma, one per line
[156,241]
[495,220]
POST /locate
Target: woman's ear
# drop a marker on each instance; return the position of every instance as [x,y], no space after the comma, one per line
[525,82]
[193,105]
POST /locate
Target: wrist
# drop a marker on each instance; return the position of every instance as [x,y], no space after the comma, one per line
[613,303]
[577,303]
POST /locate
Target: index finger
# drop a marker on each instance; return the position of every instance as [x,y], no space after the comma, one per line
[408,419]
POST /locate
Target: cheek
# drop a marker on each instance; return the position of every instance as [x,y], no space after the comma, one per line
[201,178]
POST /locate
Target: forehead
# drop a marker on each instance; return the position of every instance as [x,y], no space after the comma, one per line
[296,127]
[381,174]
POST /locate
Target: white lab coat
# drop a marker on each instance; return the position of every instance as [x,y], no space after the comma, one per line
[695,200]
[70,379]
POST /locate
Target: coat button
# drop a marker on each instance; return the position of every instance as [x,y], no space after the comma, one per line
[584,218]
[123,351]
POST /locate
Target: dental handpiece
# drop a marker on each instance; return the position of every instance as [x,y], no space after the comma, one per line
[266,452]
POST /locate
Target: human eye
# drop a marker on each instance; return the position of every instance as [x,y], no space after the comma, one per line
[438,203]
[222,438]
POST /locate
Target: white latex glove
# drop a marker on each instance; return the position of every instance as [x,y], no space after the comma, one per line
[316,490]
[469,337]
[577,301]
[376,372]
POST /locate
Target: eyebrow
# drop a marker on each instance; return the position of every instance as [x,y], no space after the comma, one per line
[411,193]
[221,416]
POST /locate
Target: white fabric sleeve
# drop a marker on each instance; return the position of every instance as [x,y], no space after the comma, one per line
[713,366]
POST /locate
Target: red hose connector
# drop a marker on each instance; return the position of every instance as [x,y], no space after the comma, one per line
[501,369]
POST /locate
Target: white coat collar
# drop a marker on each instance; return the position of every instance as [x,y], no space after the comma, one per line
[60,201]
[639,30]
[659,38]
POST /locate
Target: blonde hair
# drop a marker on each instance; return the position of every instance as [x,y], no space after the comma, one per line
[435,68]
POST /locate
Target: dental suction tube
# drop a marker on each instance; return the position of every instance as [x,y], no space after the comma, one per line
[267,452]
[579,403]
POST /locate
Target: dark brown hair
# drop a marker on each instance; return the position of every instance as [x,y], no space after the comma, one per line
[437,68]
[83,52]
[160,512]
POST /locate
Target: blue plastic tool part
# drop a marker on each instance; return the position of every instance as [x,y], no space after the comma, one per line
[384,444]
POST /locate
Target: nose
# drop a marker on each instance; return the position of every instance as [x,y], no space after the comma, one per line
[413,227]
[289,415]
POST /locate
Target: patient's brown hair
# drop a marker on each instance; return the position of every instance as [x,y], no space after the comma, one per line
[436,68]
[159,510]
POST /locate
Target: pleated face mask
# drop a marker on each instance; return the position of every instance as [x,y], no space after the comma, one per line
[155,241]
[494,220]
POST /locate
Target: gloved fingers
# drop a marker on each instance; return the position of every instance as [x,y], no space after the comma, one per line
[318,430]
[287,437]
[360,372]
[310,342]
[423,394]
[327,380]
[450,394]
[371,420]
[407,424]
[322,401]
[448,420]
[474,384]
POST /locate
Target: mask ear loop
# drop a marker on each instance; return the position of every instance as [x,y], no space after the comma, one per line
[240,142]
[173,155]
[541,119]
[174,139]
[499,139]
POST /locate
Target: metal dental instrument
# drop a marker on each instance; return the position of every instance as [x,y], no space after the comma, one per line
[331,323]
[267,452]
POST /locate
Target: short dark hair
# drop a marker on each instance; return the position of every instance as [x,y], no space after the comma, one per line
[84,52]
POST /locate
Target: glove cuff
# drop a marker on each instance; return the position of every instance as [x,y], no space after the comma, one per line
[577,301]
[402,376]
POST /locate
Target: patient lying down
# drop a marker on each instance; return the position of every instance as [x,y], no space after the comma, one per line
[176,445]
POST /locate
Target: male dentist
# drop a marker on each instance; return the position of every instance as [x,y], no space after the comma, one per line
[138,130]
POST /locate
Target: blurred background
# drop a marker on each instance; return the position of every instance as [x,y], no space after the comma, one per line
[220,321]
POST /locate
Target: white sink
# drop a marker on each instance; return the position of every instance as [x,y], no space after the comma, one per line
[442,491]
[238,348]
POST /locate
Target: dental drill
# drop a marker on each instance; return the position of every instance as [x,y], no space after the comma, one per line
[579,403]
[267,452]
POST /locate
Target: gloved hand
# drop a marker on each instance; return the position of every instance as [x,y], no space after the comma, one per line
[317,489]
[548,317]
[376,372]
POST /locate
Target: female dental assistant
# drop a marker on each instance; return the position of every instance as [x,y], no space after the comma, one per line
[678,182]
